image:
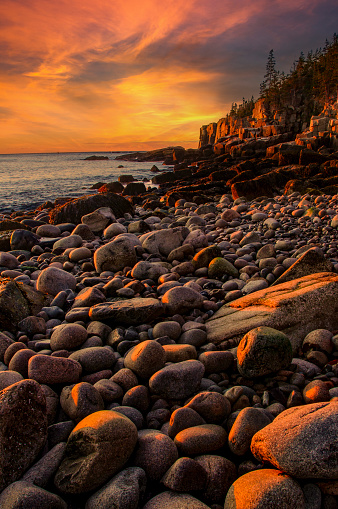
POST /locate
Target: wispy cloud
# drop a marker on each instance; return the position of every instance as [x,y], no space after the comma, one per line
[140,73]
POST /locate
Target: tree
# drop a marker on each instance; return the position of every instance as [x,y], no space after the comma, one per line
[270,86]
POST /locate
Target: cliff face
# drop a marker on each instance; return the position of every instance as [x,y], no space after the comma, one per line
[267,121]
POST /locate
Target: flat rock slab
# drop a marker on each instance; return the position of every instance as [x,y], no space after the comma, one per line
[128,312]
[296,308]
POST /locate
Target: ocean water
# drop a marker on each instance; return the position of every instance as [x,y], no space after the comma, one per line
[28,180]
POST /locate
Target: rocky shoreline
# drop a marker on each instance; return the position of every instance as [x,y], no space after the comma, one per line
[175,347]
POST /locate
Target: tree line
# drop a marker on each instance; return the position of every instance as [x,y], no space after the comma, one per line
[312,80]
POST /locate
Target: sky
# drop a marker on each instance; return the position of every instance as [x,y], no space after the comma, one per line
[105,75]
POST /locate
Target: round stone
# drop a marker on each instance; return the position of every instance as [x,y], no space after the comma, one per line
[8,378]
[300,433]
[97,448]
[185,475]
[221,473]
[200,439]
[115,255]
[23,428]
[47,369]
[216,362]
[262,351]
[177,381]
[80,400]
[181,299]
[25,495]
[316,391]
[170,500]
[48,230]
[265,488]
[79,254]
[179,353]
[319,339]
[212,406]
[68,336]
[155,453]
[68,242]
[95,358]
[126,489]
[183,418]
[53,280]
[169,328]
[247,423]
[220,267]
[145,358]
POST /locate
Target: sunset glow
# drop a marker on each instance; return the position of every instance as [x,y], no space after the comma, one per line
[123,75]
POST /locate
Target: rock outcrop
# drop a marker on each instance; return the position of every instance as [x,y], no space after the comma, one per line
[290,307]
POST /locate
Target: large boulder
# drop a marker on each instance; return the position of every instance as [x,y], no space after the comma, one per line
[72,211]
[296,308]
[23,429]
[17,301]
[301,441]
[97,448]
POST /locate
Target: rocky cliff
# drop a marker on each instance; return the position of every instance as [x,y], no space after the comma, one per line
[280,125]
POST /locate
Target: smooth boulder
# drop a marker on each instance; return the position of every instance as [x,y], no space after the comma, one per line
[115,255]
[298,434]
[97,448]
[262,351]
[23,428]
[265,489]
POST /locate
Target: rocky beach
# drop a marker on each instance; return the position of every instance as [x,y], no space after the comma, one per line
[177,346]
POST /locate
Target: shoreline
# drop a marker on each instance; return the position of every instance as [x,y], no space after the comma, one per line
[187,320]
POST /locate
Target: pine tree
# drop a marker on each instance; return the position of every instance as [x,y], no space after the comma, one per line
[269,86]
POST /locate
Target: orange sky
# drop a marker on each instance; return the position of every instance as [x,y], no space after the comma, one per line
[128,74]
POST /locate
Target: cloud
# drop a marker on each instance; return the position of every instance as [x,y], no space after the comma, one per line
[140,72]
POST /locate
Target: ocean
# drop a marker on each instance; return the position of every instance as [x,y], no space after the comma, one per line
[28,180]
